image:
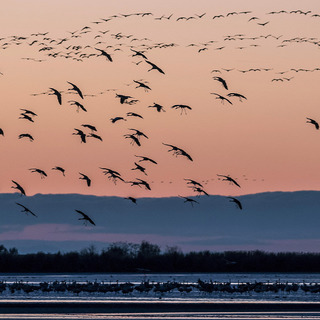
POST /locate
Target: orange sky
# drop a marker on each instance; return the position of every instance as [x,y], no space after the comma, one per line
[264,142]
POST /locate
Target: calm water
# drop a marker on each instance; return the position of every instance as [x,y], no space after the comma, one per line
[175,296]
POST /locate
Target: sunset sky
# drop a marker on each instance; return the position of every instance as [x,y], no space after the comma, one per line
[264,142]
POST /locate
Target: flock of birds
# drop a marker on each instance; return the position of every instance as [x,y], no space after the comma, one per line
[138,48]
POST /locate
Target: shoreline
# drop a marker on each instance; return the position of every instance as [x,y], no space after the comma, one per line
[147,307]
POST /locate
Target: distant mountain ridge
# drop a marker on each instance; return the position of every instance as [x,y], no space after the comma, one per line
[271,221]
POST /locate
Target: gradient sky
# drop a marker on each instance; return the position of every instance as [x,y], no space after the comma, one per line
[263,142]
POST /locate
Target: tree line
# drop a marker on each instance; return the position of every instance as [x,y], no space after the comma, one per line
[147,257]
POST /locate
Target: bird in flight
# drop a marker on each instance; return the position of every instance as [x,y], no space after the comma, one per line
[233,94]
[81,134]
[154,67]
[123,98]
[104,53]
[76,89]
[183,108]
[79,105]
[115,119]
[146,159]
[18,187]
[132,114]
[26,135]
[178,151]
[59,169]
[314,122]
[134,200]
[85,218]
[142,85]
[222,98]
[89,126]
[57,94]
[189,200]
[134,139]
[140,168]
[194,183]
[158,107]
[236,201]
[86,178]
[227,178]
[25,209]
[222,81]
[41,172]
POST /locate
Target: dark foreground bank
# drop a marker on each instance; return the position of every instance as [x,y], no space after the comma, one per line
[147,307]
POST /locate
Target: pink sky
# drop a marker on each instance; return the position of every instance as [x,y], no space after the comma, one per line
[263,142]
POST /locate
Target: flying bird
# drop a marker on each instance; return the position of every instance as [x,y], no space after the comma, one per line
[59,169]
[158,107]
[104,53]
[123,98]
[114,120]
[79,105]
[134,139]
[76,89]
[132,114]
[85,218]
[240,96]
[189,200]
[227,178]
[86,178]
[41,172]
[182,107]
[134,200]
[57,94]
[222,98]
[81,134]
[222,81]
[236,201]
[25,209]
[154,67]
[314,122]
[18,187]
[178,151]
[146,159]
[25,135]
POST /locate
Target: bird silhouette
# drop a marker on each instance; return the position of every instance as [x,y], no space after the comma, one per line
[81,134]
[134,200]
[238,95]
[158,107]
[139,133]
[78,104]
[26,117]
[222,98]
[86,178]
[57,94]
[1,132]
[154,67]
[18,187]
[26,111]
[178,151]
[183,108]
[194,183]
[85,218]
[222,81]
[105,54]
[25,135]
[123,98]
[227,178]
[236,201]
[140,168]
[25,209]
[146,159]
[93,135]
[89,126]
[59,169]
[41,172]
[142,85]
[189,200]
[76,89]
[132,114]
[112,174]
[314,122]
[139,53]
[134,139]
[114,120]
